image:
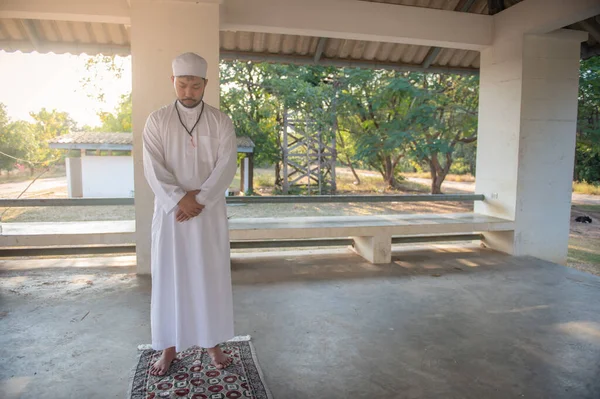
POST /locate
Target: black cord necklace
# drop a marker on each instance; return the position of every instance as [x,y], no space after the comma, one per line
[195,124]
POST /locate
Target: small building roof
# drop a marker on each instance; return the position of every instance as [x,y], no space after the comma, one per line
[116,141]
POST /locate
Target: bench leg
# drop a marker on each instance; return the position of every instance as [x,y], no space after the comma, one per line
[377,249]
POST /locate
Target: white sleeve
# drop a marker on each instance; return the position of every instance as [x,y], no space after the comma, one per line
[222,175]
[159,177]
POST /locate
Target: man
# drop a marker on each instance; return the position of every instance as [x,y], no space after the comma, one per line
[190,159]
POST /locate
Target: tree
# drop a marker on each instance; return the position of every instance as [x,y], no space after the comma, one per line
[451,119]
[48,125]
[253,108]
[99,69]
[120,120]
[16,141]
[587,155]
[379,110]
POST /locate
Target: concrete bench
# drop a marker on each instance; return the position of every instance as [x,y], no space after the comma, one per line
[67,233]
[371,235]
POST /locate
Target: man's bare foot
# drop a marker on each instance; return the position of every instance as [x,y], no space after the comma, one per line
[219,359]
[162,365]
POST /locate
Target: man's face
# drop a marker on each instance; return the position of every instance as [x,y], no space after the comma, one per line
[189,89]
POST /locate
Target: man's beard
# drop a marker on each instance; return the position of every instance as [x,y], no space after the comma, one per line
[190,106]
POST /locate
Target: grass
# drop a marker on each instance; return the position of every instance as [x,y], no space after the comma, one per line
[588,208]
[584,251]
[586,188]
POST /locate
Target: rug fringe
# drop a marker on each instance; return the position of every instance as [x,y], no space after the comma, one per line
[132,371]
[259,370]
[239,338]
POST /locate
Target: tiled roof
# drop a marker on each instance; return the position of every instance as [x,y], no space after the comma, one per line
[94,138]
[102,138]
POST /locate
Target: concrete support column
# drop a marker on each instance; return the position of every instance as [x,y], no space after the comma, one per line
[159,32]
[526,143]
[74,178]
[246,173]
[250,186]
[243,174]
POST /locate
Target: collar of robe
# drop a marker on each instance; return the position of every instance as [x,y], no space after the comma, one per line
[189,131]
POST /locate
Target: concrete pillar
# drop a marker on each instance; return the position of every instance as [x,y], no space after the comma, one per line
[159,32]
[526,143]
[250,186]
[243,174]
[74,178]
[246,174]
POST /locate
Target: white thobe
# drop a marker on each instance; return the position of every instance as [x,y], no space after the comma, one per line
[191,275]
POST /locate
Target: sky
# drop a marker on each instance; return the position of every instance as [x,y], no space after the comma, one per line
[29,82]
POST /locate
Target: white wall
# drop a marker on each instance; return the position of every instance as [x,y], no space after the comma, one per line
[107,177]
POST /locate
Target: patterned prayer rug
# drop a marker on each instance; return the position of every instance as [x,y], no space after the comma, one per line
[192,376]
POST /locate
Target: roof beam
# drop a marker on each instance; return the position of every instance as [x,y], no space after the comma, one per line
[435,51]
[359,20]
[320,48]
[31,33]
[595,33]
[105,11]
[541,16]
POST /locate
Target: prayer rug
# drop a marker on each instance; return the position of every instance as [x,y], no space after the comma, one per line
[192,375]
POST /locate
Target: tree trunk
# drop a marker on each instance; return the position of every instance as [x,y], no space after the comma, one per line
[278,178]
[388,172]
[356,178]
[31,170]
[349,162]
[438,173]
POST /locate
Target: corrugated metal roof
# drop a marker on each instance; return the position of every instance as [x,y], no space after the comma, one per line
[87,139]
[94,38]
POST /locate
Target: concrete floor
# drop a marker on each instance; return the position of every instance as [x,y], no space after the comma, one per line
[438,323]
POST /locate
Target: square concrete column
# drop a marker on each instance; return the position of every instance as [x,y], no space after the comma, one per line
[159,32]
[526,140]
[74,178]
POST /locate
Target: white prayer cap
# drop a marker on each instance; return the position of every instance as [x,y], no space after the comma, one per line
[189,64]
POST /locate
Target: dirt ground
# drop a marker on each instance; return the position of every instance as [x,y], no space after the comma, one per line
[584,239]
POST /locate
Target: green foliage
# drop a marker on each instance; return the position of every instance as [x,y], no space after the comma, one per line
[28,142]
[587,156]
[98,67]
[48,125]
[12,143]
[120,120]
[254,110]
